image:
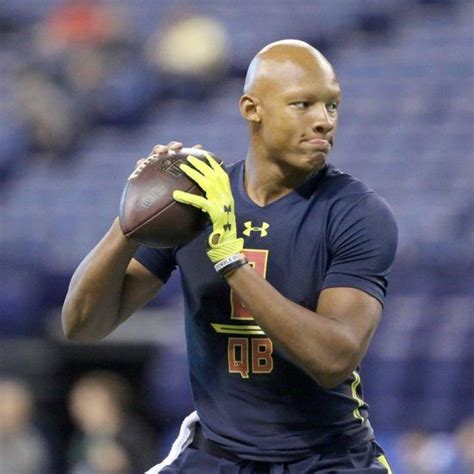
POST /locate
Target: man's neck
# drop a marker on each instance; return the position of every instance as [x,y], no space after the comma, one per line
[265,181]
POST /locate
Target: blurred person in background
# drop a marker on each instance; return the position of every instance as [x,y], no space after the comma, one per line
[87,69]
[75,23]
[55,119]
[438,453]
[52,106]
[105,456]
[190,55]
[424,453]
[109,437]
[296,407]
[23,448]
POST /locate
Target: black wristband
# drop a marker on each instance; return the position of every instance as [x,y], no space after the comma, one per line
[228,265]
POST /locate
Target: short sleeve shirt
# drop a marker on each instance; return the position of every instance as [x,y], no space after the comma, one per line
[252,400]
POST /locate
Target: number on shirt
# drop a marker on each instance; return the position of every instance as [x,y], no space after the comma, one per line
[249,355]
[258,260]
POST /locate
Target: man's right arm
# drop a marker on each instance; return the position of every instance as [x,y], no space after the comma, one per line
[106,288]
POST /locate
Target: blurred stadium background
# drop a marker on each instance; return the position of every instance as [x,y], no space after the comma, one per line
[89,87]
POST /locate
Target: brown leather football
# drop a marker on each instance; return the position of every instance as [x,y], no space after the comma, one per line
[148,212]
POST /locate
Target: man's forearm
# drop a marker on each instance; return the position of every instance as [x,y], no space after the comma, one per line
[319,344]
[92,306]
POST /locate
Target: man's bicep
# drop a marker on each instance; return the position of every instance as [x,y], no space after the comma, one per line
[140,286]
[357,310]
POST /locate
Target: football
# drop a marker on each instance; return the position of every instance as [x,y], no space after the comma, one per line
[148,212]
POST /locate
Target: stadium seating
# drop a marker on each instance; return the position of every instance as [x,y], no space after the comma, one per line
[406,129]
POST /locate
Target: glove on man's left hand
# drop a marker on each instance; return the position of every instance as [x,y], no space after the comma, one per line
[218,203]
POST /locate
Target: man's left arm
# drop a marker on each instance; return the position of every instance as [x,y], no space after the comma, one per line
[328,343]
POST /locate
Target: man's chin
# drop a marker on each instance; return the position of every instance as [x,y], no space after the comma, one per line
[317,160]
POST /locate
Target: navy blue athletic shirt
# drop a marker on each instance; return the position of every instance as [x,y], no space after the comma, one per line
[331,232]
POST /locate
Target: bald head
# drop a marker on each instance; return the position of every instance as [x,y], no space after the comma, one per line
[277,60]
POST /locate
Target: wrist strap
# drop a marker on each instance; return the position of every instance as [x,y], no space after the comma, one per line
[229,264]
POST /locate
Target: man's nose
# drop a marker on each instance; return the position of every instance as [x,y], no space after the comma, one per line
[322,121]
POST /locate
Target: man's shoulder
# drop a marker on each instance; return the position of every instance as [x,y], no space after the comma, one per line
[345,192]
[337,183]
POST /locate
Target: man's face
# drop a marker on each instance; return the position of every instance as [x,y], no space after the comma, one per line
[91,406]
[298,109]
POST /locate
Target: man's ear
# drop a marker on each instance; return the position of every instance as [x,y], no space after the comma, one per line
[250,108]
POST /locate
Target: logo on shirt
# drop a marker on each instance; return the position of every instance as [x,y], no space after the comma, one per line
[249,228]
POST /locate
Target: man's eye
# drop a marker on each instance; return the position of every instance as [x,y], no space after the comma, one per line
[302,104]
[332,107]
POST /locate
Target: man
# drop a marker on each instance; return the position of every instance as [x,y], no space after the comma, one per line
[282,309]
[108,437]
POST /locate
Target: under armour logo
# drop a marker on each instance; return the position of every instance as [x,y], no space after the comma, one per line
[249,228]
[227,209]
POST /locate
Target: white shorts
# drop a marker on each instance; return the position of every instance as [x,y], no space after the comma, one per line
[184,439]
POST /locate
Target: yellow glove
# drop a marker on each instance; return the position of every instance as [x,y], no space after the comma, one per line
[224,246]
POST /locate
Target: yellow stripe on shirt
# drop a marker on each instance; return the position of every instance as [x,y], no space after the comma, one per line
[357,399]
[383,460]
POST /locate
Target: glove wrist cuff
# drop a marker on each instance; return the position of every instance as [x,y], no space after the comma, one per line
[229,264]
[223,250]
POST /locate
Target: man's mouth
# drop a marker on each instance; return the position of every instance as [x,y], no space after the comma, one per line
[320,144]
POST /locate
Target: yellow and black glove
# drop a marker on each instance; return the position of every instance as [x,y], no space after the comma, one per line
[224,246]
